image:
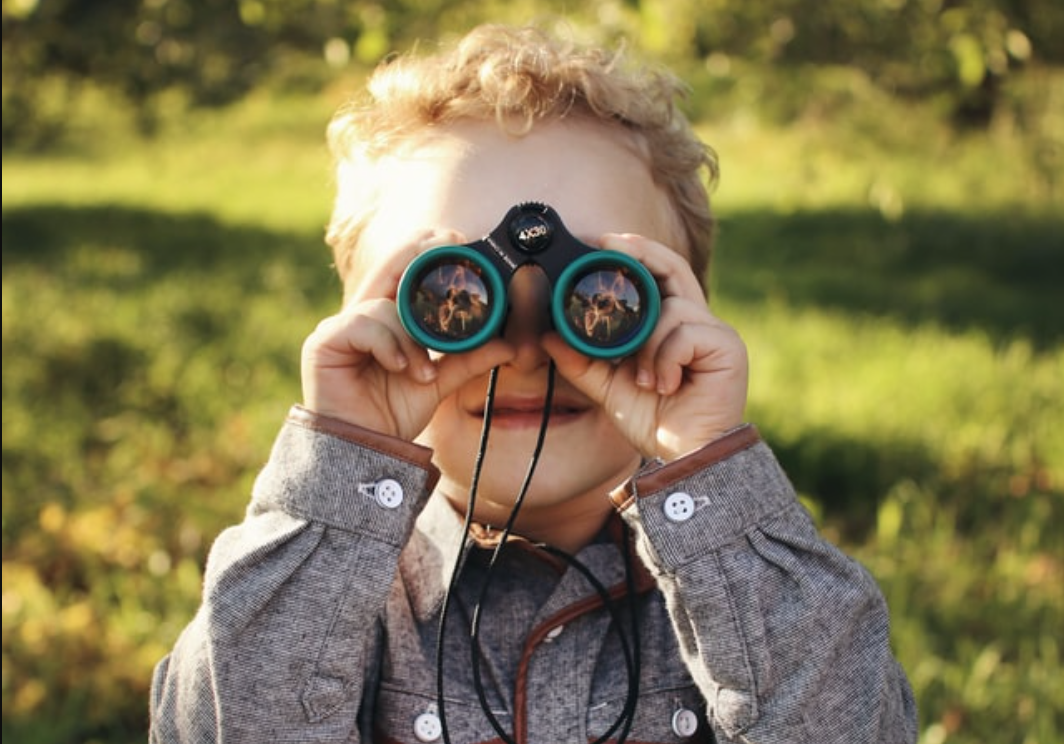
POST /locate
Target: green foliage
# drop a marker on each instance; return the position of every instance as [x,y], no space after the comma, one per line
[896,284]
[152,301]
[212,52]
[133,417]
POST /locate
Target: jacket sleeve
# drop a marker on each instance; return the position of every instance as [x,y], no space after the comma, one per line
[288,628]
[786,636]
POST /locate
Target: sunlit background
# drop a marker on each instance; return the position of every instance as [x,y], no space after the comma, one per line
[891,246]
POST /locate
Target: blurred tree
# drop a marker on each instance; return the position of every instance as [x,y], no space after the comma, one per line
[214,51]
[136,47]
[961,48]
[211,51]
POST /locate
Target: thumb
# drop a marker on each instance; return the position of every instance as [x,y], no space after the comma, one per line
[454,370]
[592,377]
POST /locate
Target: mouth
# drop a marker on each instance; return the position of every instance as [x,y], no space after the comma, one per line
[519,412]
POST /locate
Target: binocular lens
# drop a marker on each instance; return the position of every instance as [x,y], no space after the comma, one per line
[605,308]
[451,303]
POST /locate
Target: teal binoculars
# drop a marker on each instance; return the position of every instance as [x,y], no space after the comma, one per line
[604,303]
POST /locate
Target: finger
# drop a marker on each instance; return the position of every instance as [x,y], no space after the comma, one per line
[369,329]
[698,348]
[675,311]
[454,370]
[417,359]
[381,279]
[592,377]
[669,267]
[674,353]
[347,342]
[343,362]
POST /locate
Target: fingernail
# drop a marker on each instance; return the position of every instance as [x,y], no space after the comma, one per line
[428,372]
[643,378]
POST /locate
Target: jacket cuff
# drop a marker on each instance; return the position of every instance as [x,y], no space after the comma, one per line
[331,472]
[707,499]
[656,475]
[415,454]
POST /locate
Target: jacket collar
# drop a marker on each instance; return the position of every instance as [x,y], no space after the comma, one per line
[428,559]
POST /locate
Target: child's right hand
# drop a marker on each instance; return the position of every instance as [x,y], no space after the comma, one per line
[360,366]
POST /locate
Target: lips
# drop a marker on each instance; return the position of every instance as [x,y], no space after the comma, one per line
[529,410]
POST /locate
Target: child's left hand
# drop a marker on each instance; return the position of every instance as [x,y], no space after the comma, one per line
[687,385]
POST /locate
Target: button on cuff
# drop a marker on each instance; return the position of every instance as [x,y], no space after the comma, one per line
[389,493]
[679,507]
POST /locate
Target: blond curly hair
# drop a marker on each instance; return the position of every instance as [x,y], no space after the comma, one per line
[519,77]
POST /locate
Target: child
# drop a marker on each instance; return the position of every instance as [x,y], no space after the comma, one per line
[338,610]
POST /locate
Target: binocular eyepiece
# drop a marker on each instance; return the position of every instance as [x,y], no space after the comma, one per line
[605,304]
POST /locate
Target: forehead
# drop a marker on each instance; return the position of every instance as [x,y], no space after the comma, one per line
[465,177]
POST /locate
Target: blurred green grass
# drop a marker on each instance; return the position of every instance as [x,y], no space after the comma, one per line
[899,292]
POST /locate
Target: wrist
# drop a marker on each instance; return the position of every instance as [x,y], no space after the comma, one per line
[671,446]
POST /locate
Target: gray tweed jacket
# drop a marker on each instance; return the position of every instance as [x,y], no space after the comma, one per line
[321,610]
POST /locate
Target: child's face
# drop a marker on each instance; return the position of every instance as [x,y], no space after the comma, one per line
[465,178]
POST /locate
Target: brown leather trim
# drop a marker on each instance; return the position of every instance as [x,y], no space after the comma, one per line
[415,454]
[644,582]
[737,440]
[486,537]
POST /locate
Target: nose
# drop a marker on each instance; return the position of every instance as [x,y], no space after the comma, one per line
[529,317]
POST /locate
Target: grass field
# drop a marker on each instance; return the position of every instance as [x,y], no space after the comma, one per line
[899,289]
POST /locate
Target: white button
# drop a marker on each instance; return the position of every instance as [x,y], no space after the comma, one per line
[554,632]
[388,492]
[684,722]
[427,727]
[679,507]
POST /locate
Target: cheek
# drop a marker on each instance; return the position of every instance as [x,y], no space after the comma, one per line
[441,426]
[453,436]
[610,443]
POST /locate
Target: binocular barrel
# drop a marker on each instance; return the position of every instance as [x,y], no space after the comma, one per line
[603,303]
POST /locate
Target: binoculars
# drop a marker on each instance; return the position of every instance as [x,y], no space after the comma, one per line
[452,298]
